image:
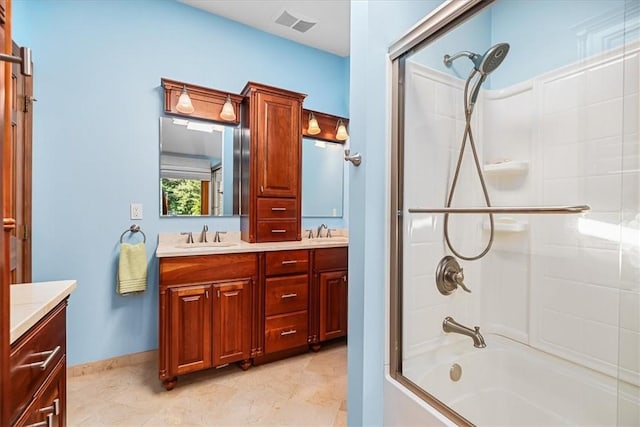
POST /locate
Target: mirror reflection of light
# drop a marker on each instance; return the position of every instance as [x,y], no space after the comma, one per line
[615,233]
[321,144]
[202,127]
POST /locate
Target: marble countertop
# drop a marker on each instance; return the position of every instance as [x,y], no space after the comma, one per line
[31,301]
[174,244]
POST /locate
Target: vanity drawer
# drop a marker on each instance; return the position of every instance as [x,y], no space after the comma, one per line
[34,357]
[276,208]
[206,268]
[287,262]
[286,294]
[277,231]
[331,259]
[286,331]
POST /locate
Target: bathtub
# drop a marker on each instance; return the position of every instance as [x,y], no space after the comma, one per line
[510,384]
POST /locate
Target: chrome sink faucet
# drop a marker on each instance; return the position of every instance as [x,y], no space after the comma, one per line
[189,235]
[318,234]
[203,234]
[450,325]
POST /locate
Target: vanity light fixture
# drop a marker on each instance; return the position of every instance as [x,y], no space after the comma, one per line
[341,134]
[228,113]
[184,102]
[313,128]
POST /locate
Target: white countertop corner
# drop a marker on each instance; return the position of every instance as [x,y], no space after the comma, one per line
[30,302]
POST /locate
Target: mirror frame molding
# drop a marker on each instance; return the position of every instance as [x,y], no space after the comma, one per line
[328,124]
[207,102]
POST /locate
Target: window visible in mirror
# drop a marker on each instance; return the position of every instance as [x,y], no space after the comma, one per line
[196,168]
[322,178]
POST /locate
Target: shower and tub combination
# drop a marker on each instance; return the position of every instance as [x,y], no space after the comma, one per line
[515,213]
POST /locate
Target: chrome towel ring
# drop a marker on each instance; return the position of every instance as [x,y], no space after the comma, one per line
[133,229]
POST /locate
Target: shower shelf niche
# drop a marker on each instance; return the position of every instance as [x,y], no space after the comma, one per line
[507,167]
[506,225]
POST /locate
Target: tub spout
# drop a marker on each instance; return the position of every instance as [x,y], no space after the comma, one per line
[450,325]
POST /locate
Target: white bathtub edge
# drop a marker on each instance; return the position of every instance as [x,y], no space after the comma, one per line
[403,408]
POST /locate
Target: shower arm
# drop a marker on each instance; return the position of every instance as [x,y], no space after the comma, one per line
[448,59]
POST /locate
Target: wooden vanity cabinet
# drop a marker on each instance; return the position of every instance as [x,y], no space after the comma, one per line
[329,295]
[206,315]
[271,151]
[286,301]
[38,374]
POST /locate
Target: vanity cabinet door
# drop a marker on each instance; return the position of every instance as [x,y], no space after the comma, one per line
[231,321]
[333,304]
[279,145]
[190,328]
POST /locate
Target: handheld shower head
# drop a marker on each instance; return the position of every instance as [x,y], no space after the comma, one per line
[492,58]
[486,63]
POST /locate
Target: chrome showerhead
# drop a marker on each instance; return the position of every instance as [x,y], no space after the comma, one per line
[492,58]
[486,63]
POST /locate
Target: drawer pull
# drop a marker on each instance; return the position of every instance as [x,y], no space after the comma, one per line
[278,209]
[46,423]
[291,261]
[292,295]
[54,409]
[289,332]
[278,231]
[43,365]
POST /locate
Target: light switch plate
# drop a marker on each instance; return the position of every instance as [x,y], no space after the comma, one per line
[136,210]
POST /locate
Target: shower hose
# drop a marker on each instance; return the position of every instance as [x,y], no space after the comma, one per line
[468,111]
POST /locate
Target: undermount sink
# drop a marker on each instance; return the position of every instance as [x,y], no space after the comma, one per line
[201,245]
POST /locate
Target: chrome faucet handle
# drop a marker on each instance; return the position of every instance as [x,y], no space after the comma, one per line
[216,237]
[329,230]
[309,233]
[203,235]
[458,278]
[189,235]
[450,276]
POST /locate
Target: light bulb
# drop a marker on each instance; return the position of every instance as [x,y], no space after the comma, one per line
[184,102]
[228,113]
[313,128]
[341,134]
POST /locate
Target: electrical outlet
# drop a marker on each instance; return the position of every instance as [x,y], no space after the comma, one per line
[136,210]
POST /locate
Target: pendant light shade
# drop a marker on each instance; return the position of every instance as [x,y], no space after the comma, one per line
[341,134]
[184,102]
[228,113]
[313,128]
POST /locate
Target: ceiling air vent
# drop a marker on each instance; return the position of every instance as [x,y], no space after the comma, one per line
[291,21]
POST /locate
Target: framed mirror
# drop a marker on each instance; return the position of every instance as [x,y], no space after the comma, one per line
[322,178]
[197,168]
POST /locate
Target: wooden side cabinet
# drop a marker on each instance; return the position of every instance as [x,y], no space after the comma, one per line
[333,304]
[38,373]
[206,314]
[329,295]
[271,164]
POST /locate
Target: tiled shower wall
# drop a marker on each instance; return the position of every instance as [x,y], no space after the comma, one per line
[563,285]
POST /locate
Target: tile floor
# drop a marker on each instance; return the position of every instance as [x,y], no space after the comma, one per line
[305,390]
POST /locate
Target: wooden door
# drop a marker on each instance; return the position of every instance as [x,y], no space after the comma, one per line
[5,88]
[190,328]
[20,153]
[333,304]
[279,141]
[231,321]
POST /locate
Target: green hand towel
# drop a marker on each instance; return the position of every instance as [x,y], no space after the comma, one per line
[132,268]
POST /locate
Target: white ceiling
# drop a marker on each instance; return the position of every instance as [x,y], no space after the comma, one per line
[331,32]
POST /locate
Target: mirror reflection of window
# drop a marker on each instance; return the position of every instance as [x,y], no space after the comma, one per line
[191,167]
[322,178]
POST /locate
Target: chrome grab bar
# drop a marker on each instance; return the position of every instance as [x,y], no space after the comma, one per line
[508,210]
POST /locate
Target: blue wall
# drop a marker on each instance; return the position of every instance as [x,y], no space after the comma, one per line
[98,66]
[375,26]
